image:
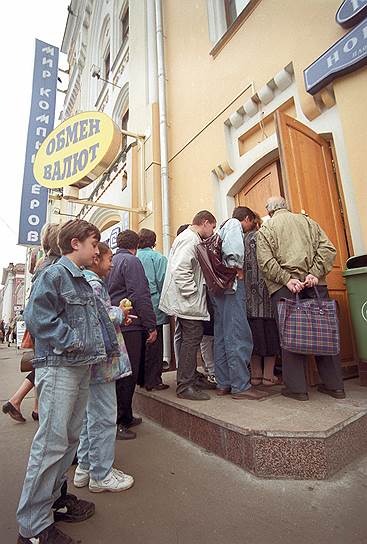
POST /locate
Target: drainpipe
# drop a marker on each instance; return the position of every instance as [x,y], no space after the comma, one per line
[163,149]
[152,53]
[163,127]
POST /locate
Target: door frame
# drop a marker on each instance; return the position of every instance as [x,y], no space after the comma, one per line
[339,187]
[261,166]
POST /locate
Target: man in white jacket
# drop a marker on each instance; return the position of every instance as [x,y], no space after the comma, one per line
[184,295]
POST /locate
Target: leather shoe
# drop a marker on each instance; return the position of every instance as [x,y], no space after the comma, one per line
[8,408]
[202,382]
[191,393]
[134,422]
[159,387]
[123,433]
[250,394]
[296,396]
[221,392]
[336,393]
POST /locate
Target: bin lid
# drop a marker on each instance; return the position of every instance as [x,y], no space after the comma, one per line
[356,261]
[355,271]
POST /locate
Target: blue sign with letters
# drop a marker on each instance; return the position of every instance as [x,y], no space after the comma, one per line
[109,236]
[33,209]
[351,12]
[346,55]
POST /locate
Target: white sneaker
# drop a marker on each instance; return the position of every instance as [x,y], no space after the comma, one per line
[81,477]
[121,475]
[114,482]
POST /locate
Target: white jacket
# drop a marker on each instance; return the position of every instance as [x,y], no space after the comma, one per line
[184,292]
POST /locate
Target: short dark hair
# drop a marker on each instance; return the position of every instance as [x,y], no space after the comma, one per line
[181,228]
[203,216]
[76,228]
[103,248]
[241,212]
[147,238]
[258,221]
[128,239]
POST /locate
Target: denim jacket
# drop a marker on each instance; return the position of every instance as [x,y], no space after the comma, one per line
[115,367]
[233,247]
[63,316]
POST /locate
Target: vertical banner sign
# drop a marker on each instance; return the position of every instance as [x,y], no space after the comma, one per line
[33,209]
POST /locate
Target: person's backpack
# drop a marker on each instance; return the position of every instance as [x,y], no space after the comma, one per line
[218,277]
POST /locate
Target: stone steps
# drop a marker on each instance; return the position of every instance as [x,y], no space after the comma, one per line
[272,438]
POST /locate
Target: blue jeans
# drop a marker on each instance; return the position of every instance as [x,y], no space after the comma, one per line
[232,340]
[96,451]
[63,395]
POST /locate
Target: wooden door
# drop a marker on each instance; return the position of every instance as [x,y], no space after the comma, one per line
[310,185]
[259,188]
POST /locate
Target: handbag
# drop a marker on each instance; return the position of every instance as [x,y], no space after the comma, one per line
[218,277]
[26,361]
[27,342]
[309,326]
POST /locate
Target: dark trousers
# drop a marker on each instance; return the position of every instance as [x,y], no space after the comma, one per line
[154,360]
[125,387]
[191,336]
[294,364]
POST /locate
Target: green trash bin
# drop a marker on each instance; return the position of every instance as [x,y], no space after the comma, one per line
[356,281]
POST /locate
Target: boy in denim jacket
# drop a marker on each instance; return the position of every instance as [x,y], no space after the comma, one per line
[63,316]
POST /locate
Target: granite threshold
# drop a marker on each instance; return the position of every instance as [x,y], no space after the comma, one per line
[273,438]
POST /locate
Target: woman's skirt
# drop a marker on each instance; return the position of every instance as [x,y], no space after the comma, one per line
[265,336]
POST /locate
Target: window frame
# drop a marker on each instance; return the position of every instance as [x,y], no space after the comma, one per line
[217,15]
[124,36]
[107,57]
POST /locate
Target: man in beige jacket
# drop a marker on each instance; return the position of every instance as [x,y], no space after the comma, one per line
[184,296]
[295,255]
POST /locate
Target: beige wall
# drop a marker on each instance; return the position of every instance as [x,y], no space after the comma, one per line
[350,93]
[199,87]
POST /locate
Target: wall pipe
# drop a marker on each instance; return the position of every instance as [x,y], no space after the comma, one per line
[163,127]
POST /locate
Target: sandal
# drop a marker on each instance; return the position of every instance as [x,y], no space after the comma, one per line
[256,380]
[271,381]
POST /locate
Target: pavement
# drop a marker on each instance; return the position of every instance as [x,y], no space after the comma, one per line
[183,495]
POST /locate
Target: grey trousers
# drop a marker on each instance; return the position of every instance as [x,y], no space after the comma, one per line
[191,336]
[294,364]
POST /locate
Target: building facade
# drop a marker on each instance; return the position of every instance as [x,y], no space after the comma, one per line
[216,88]
[12,294]
[96,42]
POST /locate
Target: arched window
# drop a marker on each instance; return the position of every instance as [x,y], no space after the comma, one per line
[121,106]
[124,25]
[104,49]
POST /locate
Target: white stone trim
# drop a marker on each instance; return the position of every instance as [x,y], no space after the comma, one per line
[269,92]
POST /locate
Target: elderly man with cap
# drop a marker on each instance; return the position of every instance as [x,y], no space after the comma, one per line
[295,255]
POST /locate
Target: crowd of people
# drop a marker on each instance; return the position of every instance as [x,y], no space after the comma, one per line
[8,332]
[97,320]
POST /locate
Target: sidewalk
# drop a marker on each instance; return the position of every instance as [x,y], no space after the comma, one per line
[183,495]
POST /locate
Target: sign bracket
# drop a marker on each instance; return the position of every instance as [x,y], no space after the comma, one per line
[85,202]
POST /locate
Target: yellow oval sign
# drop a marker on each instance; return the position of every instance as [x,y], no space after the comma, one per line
[77,151]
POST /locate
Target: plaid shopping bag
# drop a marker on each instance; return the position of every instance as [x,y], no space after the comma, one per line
[309,326]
